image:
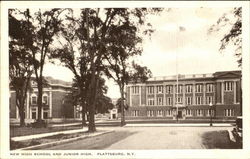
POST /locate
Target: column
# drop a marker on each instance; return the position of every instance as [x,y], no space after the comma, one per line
[130,94]
[204,93]
[17,112]
[50,103]
[193,102]
[173,95]
[222,92]
[184,97]
[139,95]
[164,97]
[234,89]
[155,100]
[27,106]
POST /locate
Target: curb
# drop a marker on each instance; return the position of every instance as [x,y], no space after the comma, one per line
[177,125]
[62,141]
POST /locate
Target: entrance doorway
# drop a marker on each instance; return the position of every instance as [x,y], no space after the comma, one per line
[179,115]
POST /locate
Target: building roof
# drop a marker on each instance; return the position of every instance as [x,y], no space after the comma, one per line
[52,81]
[220,74]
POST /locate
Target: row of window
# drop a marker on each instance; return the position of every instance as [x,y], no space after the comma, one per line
[228,86]
[179,100]
[179,89]
[34,100]
[188,112]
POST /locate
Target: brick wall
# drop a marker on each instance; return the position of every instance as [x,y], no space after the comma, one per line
[57,101]
[143,95]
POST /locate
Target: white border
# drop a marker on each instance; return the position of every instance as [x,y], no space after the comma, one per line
[244,153]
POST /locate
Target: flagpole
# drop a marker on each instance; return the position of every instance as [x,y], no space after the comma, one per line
[177,80]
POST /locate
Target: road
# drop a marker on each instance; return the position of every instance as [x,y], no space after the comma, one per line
[138,138]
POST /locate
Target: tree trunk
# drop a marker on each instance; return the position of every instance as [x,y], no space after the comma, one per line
[122,108]
[21,112]
[39,99]
[91,126]
[83,115]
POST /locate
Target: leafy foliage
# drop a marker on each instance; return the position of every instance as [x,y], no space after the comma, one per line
[234,35]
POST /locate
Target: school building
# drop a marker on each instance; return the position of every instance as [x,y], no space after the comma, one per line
[196,96]
[56,105]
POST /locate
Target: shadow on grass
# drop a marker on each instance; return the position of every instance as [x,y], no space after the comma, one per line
[94,143]
[219,140]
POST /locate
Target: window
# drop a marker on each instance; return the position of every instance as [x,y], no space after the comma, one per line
[198,100]
[45,115]
[169,89]
[135,113]
[151,101]
[179,89]
[169,101]
[45,99]
[210,112]
[135,89]
[189,88]
[168,112]
[33,99]
[189,100]
[209,88]
[178,100]
[228,112]
[188,112]
[33,114]
[150,89]
[198,88]
[150,113]
[159,101]
[228,86]
[209,99]
[199,112]
[159,113]
[159,89]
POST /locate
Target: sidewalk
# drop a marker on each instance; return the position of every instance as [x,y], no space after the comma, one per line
[21,138]
[179,125]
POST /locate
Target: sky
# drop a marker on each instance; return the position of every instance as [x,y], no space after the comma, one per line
[191,49]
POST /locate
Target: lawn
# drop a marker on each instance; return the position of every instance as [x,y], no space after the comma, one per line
[218,140]
[99,142]
[22,131]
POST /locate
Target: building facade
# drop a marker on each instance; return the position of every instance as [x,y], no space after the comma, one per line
[197,96]
[56,105]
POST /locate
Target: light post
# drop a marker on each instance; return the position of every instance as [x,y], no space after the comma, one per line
[210,109]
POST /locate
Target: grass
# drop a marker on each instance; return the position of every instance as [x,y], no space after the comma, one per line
[218,140]
[23,131]
[32,142]
[96,142]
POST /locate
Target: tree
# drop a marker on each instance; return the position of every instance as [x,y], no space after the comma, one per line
[234,35]
[90,38]
[46,26]
[103,103]
[119,104]
[123,43]
[20,60]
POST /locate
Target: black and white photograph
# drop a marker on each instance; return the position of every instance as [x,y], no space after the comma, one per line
[127,81]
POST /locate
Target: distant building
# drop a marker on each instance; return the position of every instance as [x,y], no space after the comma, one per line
[55,104]
[114,111]
[196,95]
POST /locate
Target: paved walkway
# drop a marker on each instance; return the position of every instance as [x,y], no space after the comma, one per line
[164,138]
[21,138]
[179,125]
[35,136]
